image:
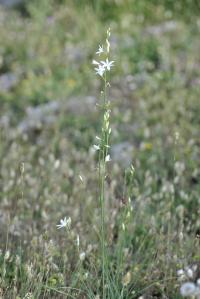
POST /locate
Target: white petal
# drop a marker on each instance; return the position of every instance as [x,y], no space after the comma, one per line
[107,159]
[81,178]
[95,62]
[96,147]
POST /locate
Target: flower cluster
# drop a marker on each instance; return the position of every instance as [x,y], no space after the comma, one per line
[104,65]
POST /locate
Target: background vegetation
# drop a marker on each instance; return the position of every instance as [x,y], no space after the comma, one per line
[48,122]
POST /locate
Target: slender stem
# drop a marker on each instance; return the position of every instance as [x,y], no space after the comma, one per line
[102,174]
[103,200]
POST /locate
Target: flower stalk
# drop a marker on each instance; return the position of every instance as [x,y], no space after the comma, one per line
[103,67]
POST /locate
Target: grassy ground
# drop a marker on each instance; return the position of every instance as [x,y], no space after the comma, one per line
[151,216]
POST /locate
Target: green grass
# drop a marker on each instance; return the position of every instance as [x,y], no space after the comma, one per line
[150,215]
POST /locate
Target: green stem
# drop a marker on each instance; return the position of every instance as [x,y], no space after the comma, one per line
[102,174]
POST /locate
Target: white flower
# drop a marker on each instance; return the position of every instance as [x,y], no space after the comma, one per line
[107,159]
[96,147]
[107,64]
[95,62]
[188,289]
[100,50]
[100,70]
[82,256]
[64,223]
[81,178]
[190,273]
[57,164]
[181,275]
[102,66]
[180,272]
[7,255]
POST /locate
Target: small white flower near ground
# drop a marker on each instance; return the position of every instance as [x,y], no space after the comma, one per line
[66,222]
[81,178]
[7,255]
[190,273]
[180,272]
[57,164]
[82,256]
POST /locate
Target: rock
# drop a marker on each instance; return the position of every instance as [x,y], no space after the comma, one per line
[160,29]
[37,117]
[3,218]
[128,84]
[81,105]
[8,81]
[11,3]
[75,54]
[122,153]
[46,114]
[5,121]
